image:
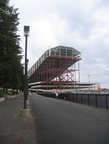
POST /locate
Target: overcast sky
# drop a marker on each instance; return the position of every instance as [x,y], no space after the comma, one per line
[82,24]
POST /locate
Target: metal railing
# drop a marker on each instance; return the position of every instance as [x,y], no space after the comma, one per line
[97,100]
[93,99]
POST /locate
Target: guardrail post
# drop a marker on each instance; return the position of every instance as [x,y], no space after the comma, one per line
[76,97]
[82,98]
[72,97]
[106,102]
[88,99]
[96,100]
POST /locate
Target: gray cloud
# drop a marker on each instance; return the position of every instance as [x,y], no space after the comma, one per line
[83,25]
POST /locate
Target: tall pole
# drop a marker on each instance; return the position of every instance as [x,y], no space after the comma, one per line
[26,33]
[89,81]
[25,111]
[26,80]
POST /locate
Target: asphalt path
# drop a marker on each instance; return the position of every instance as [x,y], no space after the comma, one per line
[64,122]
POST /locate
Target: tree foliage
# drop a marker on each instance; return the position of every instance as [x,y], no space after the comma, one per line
[11,70]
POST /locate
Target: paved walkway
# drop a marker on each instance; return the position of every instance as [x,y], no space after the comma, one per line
[84,123]
[15,129]
[64,122]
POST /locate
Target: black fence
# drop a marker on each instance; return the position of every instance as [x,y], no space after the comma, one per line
[97,100]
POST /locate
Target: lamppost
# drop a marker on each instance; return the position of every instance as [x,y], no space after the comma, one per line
[89,81]
[26,33]
[25,111]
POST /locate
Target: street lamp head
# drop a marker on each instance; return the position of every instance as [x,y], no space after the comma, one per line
[26,30]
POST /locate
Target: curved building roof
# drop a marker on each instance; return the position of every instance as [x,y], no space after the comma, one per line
[59,51]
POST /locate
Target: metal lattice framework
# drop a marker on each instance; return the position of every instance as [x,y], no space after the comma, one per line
[56,67]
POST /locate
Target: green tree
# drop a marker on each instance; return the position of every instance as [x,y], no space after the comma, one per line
[10,59]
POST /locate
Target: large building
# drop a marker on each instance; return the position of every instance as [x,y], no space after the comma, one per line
[56,69]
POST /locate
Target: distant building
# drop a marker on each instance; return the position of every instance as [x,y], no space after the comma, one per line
[57,69]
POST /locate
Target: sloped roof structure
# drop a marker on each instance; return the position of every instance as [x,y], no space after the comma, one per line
[58,53]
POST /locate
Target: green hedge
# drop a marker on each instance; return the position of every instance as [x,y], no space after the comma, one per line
[2,94]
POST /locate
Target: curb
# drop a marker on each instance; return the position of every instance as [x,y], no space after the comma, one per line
[11,97]
[6,97]
[2,99]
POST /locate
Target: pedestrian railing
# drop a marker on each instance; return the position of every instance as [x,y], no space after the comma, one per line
[97,100]
[94,99]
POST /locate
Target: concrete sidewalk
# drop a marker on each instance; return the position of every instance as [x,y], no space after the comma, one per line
[15,129]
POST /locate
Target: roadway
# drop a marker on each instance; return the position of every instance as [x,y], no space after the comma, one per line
[64,122]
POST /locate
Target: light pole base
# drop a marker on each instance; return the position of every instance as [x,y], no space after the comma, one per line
[24,112]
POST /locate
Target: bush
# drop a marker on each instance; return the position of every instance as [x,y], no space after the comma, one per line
[2,94]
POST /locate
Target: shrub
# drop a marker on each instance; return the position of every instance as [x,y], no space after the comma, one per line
[2,94]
